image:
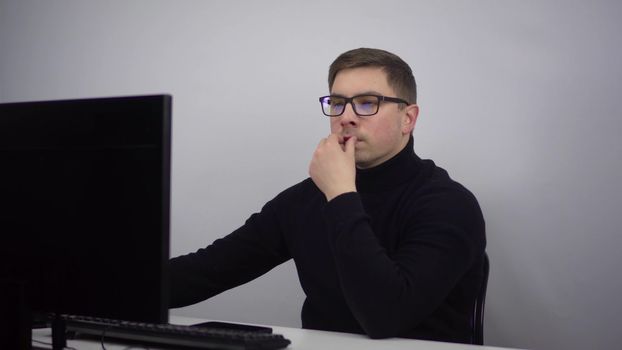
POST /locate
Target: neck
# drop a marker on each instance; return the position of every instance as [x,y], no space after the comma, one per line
[391,173]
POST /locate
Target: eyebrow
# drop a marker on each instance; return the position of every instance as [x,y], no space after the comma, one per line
[368,92]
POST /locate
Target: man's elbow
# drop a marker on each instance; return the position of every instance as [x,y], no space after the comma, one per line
[379,335]
[380,330]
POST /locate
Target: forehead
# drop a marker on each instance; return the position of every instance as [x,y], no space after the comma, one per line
[361,80]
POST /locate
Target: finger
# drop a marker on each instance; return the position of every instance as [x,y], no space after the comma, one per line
[333,138]
[350,145]
[322,141]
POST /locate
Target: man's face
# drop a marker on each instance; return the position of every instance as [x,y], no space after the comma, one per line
[380,136]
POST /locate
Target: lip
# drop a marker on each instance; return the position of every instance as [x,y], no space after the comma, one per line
[343,139]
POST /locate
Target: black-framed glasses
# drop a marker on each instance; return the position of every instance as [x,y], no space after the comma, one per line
[363,105]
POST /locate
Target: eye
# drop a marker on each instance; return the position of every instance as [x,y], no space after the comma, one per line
[366,103]
[336,102]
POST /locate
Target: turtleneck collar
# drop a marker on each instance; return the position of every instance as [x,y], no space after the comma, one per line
[390,174]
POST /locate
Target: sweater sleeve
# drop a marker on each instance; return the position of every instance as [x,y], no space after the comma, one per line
[390,294]
[247,253]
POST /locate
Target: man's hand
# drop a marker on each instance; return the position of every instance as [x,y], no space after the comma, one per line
[333,167]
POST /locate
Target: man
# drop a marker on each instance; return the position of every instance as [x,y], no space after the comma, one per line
[385,244]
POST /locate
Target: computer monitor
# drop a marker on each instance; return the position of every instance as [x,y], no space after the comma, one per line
[84,206]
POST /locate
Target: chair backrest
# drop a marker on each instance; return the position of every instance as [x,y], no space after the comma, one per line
[480,302]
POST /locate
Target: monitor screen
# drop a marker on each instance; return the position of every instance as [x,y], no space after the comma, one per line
[84,205]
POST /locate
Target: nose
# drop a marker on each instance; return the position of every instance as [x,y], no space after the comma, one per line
[348,117]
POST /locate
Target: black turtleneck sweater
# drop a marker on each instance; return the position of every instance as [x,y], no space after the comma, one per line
[402,256]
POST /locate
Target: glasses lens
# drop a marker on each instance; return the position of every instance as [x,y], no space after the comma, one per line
[366,105]
[333,105]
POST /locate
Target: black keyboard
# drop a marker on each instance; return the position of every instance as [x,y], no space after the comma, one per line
[175,335]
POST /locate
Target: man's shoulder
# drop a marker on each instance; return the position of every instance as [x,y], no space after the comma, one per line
[436,184]
[440,198]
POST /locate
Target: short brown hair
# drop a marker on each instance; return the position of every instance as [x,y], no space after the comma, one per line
[399,75]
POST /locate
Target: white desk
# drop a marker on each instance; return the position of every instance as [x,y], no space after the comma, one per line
[302,339]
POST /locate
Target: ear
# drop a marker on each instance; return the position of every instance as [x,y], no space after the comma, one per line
[410,118]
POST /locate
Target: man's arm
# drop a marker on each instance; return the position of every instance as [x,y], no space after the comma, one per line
[247,253]
[389,295]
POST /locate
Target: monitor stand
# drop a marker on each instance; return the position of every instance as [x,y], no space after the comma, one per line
[59,333]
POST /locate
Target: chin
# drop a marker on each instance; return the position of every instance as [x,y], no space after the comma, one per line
[361,163]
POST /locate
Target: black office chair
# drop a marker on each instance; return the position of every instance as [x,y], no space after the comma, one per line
[480,301]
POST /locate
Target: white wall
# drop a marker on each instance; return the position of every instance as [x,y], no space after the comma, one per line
[520,102]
